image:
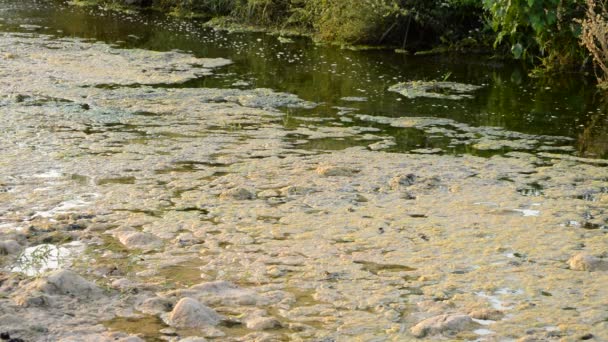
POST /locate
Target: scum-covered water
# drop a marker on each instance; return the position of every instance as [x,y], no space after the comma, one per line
[242,188]
[567,106]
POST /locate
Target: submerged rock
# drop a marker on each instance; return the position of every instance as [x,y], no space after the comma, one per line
[190,313]
[402,180]
[435,89]
[296,190]
[156,305]
[193,339]
[442,324]
[330,171]
[239,194]
[268,193]
[263,323]
[112,336]
[586,262]
[487,314]
[267,98]
[138,240]
[225,293]
[9,247]
[64,282]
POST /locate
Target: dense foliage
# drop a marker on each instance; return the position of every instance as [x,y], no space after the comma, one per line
[422,23]
[553,34]
[539,28]
[595,38]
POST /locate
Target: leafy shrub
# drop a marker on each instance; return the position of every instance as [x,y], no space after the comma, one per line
[350,21]
[394,21]
[266,12]
[544,28]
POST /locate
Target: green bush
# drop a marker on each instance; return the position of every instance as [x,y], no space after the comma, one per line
[351,21]
[263,12]
[394,21]
[539,28]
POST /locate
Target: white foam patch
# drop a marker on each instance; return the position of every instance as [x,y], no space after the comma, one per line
[495,302]
[7,226]
[49,174]
[494,299]
[528,212]
[483,321]
[66,206]
[505,291]
[483,332]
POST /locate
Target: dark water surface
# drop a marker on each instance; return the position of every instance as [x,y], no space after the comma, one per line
[568,105]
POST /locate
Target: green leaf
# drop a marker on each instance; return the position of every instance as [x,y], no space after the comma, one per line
[537,22]
[517,50]
[551,17]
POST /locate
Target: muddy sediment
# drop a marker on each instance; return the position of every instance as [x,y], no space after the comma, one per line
[175,214]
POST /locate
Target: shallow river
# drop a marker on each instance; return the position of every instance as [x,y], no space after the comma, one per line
[168,182]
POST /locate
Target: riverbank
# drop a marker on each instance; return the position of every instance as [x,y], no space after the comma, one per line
[369,25]
[134,208]
[553,38]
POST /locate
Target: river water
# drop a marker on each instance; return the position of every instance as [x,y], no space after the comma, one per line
[162,181]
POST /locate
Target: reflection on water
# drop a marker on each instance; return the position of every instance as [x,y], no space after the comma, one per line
[563,106]
[592,141]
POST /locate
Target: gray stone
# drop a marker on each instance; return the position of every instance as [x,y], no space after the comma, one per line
[295,190]
[449,323]
[239,194]
[155,305]
[9,247]
[190,313]
[34,299]
[402,180]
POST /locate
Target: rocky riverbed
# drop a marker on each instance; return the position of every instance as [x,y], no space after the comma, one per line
[134,209]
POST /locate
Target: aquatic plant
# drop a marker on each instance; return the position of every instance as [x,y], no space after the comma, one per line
[38,259]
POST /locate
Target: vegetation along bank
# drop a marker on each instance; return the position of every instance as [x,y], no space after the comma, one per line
[552,35]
